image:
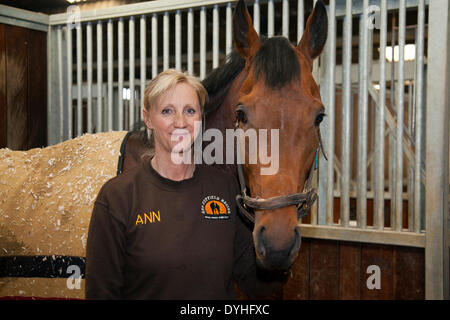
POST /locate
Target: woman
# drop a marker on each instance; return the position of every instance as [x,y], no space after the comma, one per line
[169,229]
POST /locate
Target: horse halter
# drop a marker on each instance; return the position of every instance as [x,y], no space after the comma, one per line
[302,200]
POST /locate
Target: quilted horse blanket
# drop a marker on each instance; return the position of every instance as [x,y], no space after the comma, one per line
[46,200]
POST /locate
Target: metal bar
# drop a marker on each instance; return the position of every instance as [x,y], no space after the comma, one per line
[361,203]
[270,19]
[346,116]
[392,150]
[202,43]
[419,85]
[166,39]
[300,19]
[229,29]
[190,42]
[256,16]
[120,46]
[391,122]
[409,168]
[215,35]
[400,120]
[285,20]
[79,81]
[143,59]
[54,109]
[110,75]
[33,20]
[60,83]
[437,152]
[150,7]
[89,75]
[131,61]
[379,130]
[323,167]
[368,235]
[136,9]
[154,45]
[178,40]
[331,110]
[391,5]
[99,125]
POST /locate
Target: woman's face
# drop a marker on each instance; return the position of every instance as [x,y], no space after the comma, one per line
[172,119]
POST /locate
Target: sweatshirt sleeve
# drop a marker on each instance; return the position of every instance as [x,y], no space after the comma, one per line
[252,281]
[105,253]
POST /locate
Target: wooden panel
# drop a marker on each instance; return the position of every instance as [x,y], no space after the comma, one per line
[2,86]
[409,273]
[349,270]
[381,256]
[37,89]
[16,87]
[328,269]
[297,286]
[324,269]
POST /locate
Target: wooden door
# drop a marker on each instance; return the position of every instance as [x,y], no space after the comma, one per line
[23,88]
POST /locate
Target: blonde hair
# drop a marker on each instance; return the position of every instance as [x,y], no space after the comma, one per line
[167,80]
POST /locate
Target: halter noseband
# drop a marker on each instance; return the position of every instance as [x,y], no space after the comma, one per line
[303,201]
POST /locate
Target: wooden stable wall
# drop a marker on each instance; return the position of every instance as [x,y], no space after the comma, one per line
[328,269]
[23,88]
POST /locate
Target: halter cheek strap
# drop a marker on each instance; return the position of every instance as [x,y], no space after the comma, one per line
[303,201]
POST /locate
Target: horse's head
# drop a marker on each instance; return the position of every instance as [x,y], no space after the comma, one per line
[279,92]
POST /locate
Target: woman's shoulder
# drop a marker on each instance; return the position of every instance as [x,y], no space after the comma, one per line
[118,186]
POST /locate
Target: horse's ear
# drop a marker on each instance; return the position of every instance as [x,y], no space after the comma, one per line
[315,34]
[246,39]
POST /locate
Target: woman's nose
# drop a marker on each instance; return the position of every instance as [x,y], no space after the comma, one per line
[179,121]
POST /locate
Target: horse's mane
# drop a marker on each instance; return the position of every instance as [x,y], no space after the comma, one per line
[218,82]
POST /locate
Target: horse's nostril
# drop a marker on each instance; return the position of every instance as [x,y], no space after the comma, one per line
[261,247]
[297,242]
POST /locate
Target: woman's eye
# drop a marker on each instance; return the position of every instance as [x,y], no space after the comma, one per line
[319,119]
[190,111]
[166,111]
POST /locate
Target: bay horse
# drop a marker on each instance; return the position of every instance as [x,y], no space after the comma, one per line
[266,84]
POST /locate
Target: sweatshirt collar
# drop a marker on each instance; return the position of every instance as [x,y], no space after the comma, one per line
[169,184]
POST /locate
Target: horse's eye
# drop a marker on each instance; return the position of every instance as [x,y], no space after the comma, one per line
[241,116]
[319,119]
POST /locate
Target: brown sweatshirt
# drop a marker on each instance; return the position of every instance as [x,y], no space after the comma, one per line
[155,238]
